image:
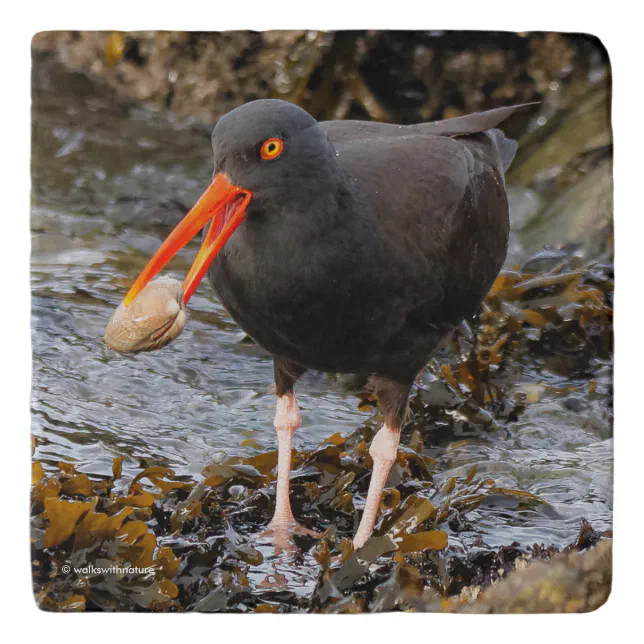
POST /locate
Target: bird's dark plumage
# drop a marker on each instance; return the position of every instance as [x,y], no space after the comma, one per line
[366,242]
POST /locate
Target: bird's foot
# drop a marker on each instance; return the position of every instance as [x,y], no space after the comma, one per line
[281,532]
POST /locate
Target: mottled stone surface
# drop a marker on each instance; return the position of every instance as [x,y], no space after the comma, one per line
[393,76]
[575,582]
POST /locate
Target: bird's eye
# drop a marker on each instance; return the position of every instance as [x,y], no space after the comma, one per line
[271,149]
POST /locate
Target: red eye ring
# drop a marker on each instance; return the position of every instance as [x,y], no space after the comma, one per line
[271,148]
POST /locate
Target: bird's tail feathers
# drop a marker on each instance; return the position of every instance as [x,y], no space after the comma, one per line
[507,148]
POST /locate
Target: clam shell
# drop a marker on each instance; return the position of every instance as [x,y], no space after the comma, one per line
[155,318]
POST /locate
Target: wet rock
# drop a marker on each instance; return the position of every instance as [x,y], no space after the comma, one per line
[384,75]
[581,215]
[545,152]
[561,181]
[578,582]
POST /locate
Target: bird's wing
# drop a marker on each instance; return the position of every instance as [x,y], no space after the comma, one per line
[437,194]
[345,131]
[441,206]
[470,123]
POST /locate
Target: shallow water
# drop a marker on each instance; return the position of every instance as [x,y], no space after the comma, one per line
[109,182]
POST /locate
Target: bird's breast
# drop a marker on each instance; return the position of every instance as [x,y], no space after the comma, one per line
[309,304]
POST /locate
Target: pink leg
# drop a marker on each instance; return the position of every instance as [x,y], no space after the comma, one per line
[283,525]
[383,451]
[287,420]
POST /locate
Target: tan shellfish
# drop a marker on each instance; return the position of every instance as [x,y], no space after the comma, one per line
[155,318]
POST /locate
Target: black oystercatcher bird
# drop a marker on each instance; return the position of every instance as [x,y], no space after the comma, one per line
[348,247]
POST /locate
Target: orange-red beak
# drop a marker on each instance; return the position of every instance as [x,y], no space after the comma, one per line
[224,205]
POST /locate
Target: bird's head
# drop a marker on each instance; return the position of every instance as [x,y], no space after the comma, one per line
[270,156]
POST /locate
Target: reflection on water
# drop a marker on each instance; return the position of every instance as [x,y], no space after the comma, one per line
[108,184]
